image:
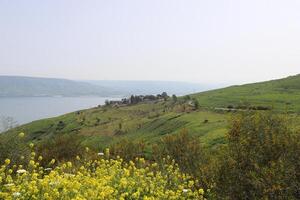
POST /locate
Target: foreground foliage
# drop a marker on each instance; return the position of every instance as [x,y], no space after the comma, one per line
[259,161]
[102,178]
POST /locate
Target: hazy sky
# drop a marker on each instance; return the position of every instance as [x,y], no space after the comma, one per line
[232,41]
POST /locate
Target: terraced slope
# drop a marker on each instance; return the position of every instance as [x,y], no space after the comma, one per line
[104,125]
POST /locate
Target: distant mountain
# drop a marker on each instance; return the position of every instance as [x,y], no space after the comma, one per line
[152,87]
[19,86]
[15,86]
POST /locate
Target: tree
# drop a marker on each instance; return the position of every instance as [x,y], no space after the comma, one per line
[174,98]
[187,97]
[165,96]
[196,104]
[132,100]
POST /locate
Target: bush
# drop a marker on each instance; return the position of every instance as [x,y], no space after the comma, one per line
[14,148]
[61,148]
[261,160]
[184,149]
[128,150]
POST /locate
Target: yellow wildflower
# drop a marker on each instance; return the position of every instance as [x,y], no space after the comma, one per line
[7,161]
[21,135]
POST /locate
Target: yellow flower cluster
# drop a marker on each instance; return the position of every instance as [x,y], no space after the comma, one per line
[96,179]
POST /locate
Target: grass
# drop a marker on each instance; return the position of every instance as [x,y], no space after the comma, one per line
[282,95]
[145,121]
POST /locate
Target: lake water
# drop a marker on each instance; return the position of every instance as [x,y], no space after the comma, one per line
[27,109]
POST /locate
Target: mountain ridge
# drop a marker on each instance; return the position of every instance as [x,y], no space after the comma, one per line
[23,86]
[19,86]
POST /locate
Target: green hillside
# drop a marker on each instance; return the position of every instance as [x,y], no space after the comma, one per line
[281,95]
[148,121]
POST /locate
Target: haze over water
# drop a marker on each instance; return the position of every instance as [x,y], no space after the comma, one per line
[27,109]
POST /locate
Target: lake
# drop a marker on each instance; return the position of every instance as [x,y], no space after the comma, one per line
[27,109]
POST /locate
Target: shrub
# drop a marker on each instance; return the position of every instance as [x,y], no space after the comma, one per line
[184,149]
[61,148]
[260,162]
[128,150]
[14,148]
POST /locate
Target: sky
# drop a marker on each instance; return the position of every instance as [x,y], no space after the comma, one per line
[205,41]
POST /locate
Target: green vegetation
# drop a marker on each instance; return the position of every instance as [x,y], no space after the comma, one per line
[247,149]
[99,127]
[103,126]
[100,178]
[260,161]
[281,95]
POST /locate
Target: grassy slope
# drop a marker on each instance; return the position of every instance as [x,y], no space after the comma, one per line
[282,95]
[149,121]
[145,121]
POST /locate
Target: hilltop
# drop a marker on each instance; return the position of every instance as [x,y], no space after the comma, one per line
[150,120]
